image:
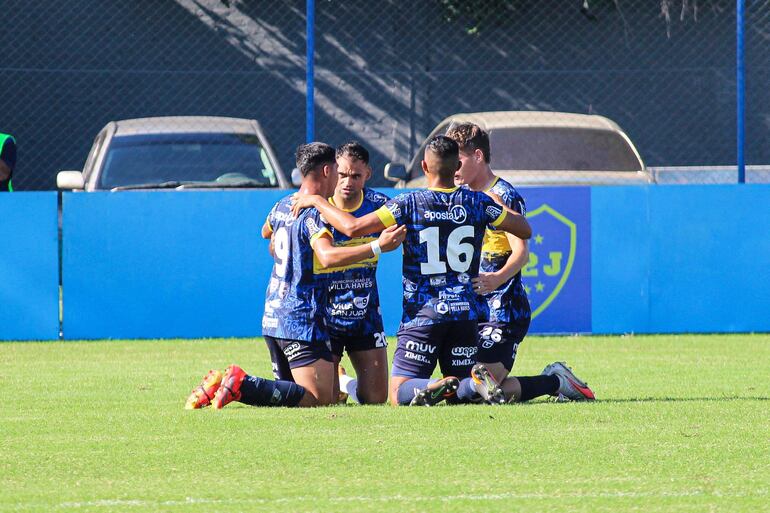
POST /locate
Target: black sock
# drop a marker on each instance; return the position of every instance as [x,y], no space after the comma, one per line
[535,386]
[258,391]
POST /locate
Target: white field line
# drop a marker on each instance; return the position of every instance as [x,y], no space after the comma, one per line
[401,498]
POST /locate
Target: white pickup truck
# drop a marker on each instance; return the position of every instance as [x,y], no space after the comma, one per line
[544,148]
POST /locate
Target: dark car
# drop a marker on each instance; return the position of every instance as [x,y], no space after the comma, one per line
[179,152]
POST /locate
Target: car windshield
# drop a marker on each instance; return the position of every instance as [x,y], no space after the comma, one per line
[158,158]
[561,148]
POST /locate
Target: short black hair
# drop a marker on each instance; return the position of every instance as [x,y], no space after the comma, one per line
[354,149]
[470,137]
[313,155]
[447,151]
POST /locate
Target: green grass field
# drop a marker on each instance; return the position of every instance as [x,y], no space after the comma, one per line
[682,424]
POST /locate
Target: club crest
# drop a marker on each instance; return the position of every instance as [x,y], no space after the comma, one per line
[551,256]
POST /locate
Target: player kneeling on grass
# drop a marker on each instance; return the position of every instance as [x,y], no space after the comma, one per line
[294,324]
[353,304]
[445,229]
[499,282]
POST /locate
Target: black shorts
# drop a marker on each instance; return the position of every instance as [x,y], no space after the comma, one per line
[453,345]
[499,342]
[291,354]
[341,342]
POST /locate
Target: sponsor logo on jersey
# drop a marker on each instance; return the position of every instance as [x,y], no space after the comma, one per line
[361,302]
[438,281]
[286,217]
[463,278]
[353,284]
[395,210]
[457,214]
[442,308]
[467,352]
[494,211]
[312,226]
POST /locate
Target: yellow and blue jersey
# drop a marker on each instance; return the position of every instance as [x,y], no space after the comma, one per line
[353,302]
[509,303]
[295,301]
[445,231]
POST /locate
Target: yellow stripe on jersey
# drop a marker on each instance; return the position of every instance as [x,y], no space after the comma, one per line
[386,216]
[320,233]
[358,241]
[495,242]
[497,222]
[360,202]
[440,189]
[267,222]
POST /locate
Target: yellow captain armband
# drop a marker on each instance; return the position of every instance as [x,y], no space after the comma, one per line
[386,216]
[497,222]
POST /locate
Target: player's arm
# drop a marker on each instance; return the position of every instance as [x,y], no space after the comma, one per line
[330,255]
[344,222]
[267,230]
[487,282]
[512,221]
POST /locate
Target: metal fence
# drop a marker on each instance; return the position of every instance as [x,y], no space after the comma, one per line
[387,72]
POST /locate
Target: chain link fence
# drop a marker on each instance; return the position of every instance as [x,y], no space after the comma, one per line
[388,72]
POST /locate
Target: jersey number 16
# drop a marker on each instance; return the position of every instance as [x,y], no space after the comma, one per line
[459,254]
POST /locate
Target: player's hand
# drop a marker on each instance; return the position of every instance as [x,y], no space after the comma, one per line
[300,201]
[487,282]
[392,237]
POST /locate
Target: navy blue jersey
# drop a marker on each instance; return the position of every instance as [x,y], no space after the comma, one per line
[508,303]
[445,230]
[353,303]
[296,296]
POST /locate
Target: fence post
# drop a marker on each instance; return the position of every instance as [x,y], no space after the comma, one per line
[309,72]
[740,91]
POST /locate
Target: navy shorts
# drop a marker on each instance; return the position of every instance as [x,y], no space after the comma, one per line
[453,345]
[341,342]
[291,354]
[499,342]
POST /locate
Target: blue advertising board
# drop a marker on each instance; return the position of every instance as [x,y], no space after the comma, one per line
[29,266]
[558,276]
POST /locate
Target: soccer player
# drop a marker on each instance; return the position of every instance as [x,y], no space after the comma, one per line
[353,304]
[445,228]
[294,324]
[502,258]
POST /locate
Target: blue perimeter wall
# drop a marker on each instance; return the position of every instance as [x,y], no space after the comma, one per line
[654,259]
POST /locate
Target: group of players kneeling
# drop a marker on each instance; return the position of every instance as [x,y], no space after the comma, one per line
[464,307]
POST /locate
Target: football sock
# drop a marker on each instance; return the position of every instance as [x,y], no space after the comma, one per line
[406,391]
[535,386]
[466,393]
[258,391]
[349,386]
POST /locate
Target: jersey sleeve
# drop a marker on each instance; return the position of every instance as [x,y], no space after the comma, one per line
[313,227]
[392,212]
[270,220]
[494,212]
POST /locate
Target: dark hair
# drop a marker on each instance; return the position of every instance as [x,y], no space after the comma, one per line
[8,152]
[354,149]
[313,155]
[470,137]
[447,151]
